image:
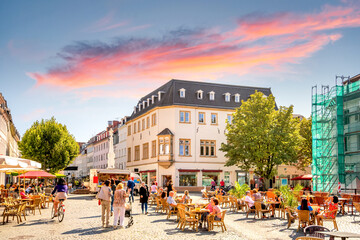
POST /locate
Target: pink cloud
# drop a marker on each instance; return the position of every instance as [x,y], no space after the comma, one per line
[106,23]
[196,54]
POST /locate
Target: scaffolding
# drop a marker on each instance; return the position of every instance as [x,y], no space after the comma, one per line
[335,118]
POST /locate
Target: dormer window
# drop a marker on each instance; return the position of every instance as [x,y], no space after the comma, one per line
[139,107]
[159,94]
[182,92]
[134,109]
[199,94]
[237,97]
[212,96]
[148,101]
[153,98]
[144,104]
[227,97]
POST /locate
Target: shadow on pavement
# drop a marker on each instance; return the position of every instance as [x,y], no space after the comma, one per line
[89,197]
[35,222]
[89,231]
[188,231]
[99,216]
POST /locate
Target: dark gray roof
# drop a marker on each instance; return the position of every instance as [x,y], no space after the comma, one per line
[171,95]
[166,131]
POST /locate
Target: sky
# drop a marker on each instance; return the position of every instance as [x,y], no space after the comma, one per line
[87,62]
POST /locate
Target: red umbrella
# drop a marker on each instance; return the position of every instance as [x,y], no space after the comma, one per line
[37,174]
[303,177]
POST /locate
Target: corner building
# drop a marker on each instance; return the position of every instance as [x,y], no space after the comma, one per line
[175,133]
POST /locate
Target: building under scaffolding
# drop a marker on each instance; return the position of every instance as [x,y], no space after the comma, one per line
[336,135]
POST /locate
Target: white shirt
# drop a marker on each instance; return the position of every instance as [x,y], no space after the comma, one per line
[171,201]
[249,200]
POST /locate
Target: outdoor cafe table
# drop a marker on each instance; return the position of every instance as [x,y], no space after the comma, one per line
[272,206]
[342,235]
[342,203]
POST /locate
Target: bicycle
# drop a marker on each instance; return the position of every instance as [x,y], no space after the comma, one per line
[60,212]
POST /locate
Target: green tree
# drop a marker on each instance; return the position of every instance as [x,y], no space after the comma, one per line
[305,143]
[261,137]
[49,143]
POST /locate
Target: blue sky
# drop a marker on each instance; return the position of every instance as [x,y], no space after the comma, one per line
[87,62]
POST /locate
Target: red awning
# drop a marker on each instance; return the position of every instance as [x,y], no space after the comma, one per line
[188,170]
[303,177]
[211,170]
[36,174]
[147,171]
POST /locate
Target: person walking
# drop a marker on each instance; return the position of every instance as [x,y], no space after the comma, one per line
[113,188]
[144,196]
[213,185]
[170,187]
[105,197]
[131,185]
[119,205]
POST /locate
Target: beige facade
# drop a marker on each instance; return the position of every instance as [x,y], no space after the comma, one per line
[9,136]
[192,144]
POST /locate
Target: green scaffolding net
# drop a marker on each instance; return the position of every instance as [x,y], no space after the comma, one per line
[334,120]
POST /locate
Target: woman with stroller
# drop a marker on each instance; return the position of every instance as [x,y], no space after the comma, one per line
[119,205]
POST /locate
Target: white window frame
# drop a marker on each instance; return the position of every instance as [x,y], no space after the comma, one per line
[237,98]
[199,94]
[212,96]
[182,93]
[227,97]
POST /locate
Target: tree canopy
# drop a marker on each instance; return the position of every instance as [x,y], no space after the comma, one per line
[49,143]
[261,137]
[305,144]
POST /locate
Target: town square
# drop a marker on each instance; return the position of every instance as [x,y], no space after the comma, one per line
[179,120]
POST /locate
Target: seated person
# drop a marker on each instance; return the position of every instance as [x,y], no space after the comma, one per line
[22,194]
[249,200]
[205,214]
[221,192]
[216,210]
[170,200]
[332,201]
[305,205]
[257,195]
[186,198]
[162,193]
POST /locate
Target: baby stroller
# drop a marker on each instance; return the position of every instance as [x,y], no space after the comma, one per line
[128,210]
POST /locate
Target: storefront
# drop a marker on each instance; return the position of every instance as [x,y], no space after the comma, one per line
[241,177]
[148,176]
[209,175]
[188,177]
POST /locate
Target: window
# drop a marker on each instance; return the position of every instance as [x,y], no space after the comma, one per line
[182,93]
[346,143]
[346,117]
[358,142]
[201,118]
[237,97]
[129,130]
[147,122]
[129,155]
[188,179]
[153,119]
[357,117]
[212,96]
[146,151]
[214,118]
[139,126]
[199,94]
[184,147]
[207,148]
[229,118]
[207,178]
[143,124]
[161,146]
[184,117]
[134,127]
[227,97]
[227,178]
[167,146]
[153,148]
[137,153]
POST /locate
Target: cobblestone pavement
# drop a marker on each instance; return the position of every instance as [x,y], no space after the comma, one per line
[82,221]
